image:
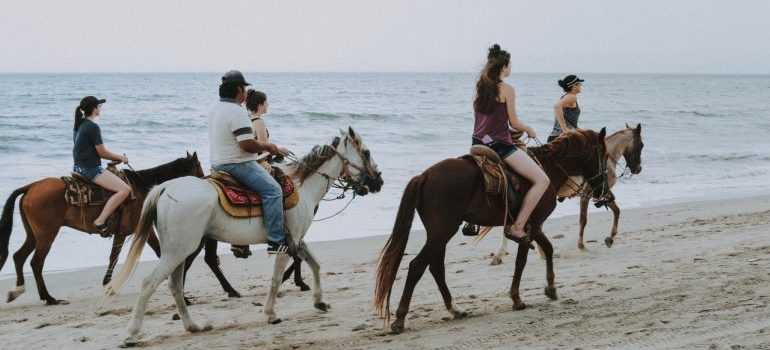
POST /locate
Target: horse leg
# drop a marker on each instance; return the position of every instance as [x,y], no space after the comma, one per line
[583,220]
[176,284]
[497,259]
[188,262]
[296,270]
[42,247]
[280,263]
[212,260]
[438,271]
[150,283]
[117,245]
[547,249]
[416,269]
[154,244]
[616,215]
[521,262]
[19,258]
[316,268]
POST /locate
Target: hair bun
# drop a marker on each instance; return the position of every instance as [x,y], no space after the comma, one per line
[494,51]
[561,83]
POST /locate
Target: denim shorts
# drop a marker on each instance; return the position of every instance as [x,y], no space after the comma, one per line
[501,149]
[90,173]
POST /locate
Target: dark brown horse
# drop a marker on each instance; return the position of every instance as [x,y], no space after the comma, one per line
[452,191]
[44,211]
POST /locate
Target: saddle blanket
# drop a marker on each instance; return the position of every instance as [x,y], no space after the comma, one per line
[238,201]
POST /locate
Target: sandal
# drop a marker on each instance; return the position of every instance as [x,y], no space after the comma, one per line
[518,240]
[104,229]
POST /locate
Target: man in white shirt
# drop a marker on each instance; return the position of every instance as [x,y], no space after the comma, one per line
[234,150]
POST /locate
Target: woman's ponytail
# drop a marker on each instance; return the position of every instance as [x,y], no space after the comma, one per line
[78,118]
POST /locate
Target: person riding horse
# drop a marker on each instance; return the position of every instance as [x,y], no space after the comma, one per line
[234,150]
[87,152]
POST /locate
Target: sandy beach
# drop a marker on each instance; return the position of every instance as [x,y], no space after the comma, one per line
[692,275]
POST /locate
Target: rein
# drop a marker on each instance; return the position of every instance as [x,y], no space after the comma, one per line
[579,189]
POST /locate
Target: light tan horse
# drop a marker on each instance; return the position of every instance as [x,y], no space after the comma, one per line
[626,143]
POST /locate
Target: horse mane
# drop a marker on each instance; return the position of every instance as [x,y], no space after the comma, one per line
[147,178]
[309,164]
[617,133]
[573,144]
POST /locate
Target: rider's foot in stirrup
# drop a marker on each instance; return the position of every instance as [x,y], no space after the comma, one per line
[104,229]
[276,248]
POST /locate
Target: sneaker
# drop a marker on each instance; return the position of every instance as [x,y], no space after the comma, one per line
[276,248]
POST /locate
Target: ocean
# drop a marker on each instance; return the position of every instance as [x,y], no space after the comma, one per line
[705,135]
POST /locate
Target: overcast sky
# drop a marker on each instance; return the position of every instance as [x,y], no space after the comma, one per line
[672,36]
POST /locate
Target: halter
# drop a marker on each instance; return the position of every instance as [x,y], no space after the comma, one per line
[581,189]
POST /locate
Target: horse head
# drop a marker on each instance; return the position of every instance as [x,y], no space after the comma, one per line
[633,152]
[193,164]
[595,168]
[359,171]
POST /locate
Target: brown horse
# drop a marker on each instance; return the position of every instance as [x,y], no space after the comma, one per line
[44,211]
[452,191]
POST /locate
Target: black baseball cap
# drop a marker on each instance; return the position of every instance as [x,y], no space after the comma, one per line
[234,76]
[90,102]
[571,80]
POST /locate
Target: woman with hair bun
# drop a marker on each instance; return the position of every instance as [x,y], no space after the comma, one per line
[495,109]
[88,151]
[566,110]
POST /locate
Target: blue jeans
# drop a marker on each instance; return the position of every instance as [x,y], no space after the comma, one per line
[257,179]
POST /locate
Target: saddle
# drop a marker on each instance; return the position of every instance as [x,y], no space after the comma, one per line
[240,202]
[498,178]
[82,192]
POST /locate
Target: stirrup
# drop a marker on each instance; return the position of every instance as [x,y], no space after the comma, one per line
[105,229]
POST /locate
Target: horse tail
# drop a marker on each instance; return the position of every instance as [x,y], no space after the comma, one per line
[6,222]
[393,252]
[143,230]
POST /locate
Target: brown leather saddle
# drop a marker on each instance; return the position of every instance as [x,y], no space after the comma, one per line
[498,177]
[82,192]
[239,201]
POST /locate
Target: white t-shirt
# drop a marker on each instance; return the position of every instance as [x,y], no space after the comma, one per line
[228,124]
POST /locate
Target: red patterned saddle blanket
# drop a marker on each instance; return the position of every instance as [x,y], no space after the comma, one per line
[239,201]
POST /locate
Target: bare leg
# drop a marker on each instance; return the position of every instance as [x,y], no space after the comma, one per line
[583,220]
[616,213]
[522,164]
[112,183]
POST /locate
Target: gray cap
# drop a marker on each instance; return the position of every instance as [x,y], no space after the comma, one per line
[234,76]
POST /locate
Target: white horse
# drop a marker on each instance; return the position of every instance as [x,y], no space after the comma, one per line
[187,209]
[626,143]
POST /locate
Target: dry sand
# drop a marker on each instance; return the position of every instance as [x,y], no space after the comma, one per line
[694,275]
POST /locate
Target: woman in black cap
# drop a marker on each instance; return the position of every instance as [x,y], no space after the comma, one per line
[566,109]
[88,152]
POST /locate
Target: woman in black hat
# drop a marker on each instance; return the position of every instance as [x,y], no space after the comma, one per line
[566,109]
[88,152]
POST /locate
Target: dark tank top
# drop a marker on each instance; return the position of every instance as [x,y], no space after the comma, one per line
[571,116]
[493,126]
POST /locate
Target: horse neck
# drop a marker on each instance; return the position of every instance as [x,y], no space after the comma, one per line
[616,145]
[316,186]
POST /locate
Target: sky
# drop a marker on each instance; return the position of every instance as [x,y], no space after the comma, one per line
[588,36]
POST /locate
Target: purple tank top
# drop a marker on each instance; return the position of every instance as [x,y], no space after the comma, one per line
[493,125]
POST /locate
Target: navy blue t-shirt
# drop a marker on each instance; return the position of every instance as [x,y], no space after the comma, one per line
[86,138]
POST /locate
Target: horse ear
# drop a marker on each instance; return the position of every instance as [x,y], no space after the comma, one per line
[351,132]
[603,133]
[639,128]
[336,142]
[188,154]
[195,155]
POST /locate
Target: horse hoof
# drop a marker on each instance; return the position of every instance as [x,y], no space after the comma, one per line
[233,294]
[322,306]
[496,261]
[519,306]
[175,317]
[56,302]
[397,327]
[130,342]
[106,280]
[581,247]
[304,288]
[609,241]
[459,314]
[550,292]
[196,329]
[274,320]
[187,302]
